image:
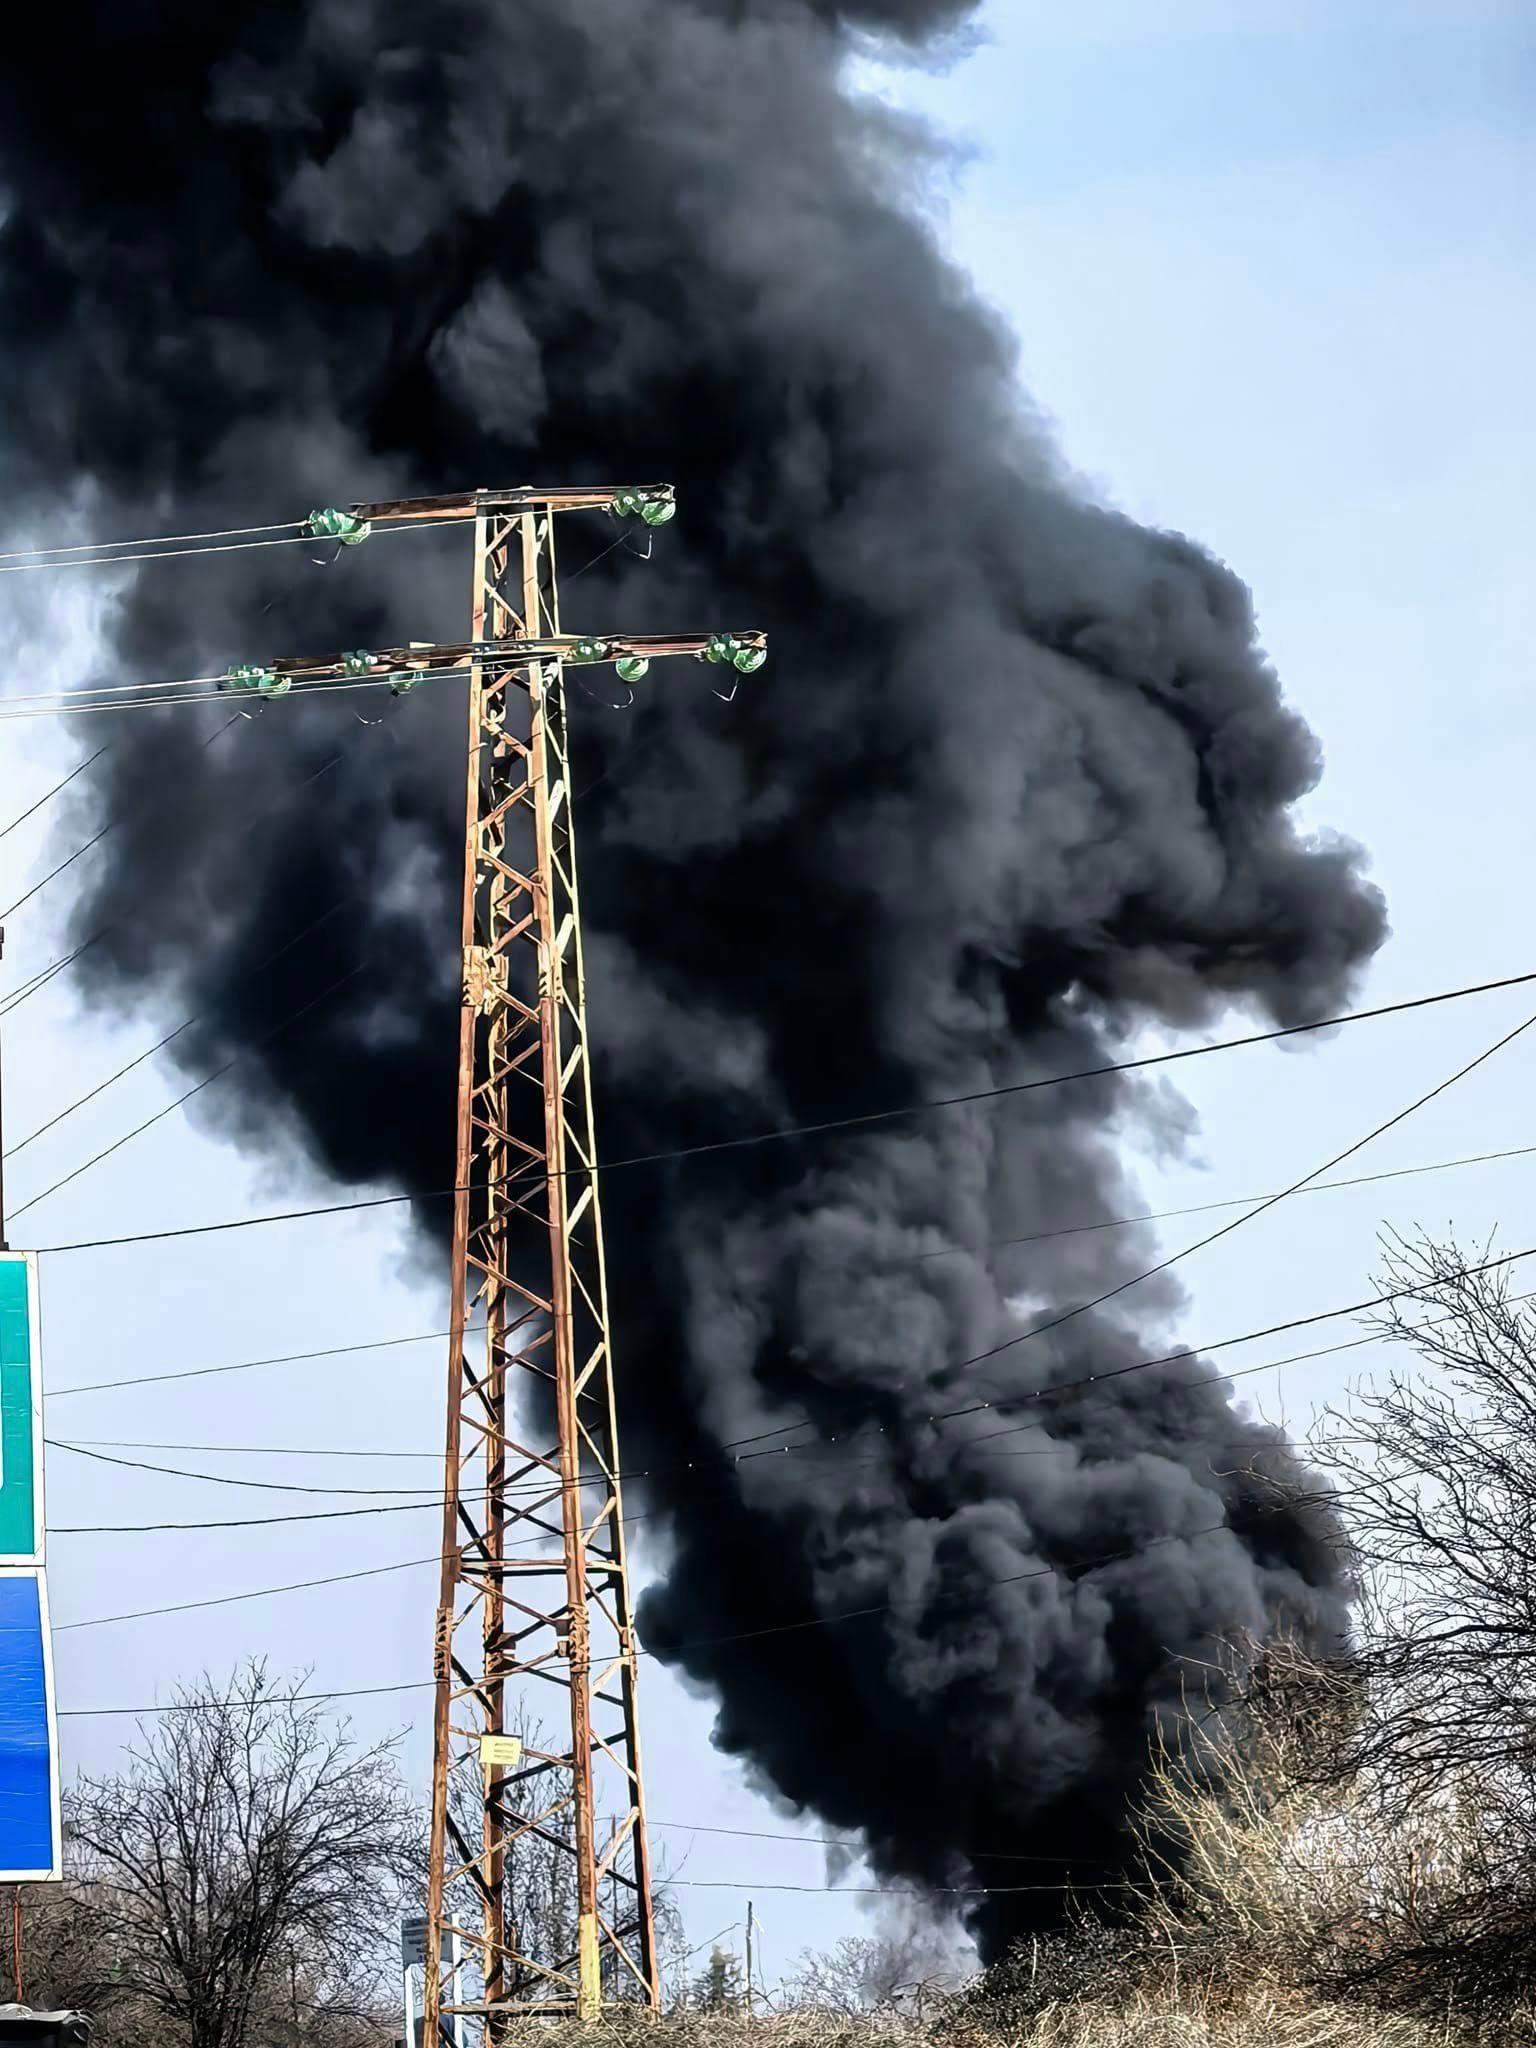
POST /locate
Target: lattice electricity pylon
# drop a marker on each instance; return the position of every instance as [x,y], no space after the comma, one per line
[535,1577]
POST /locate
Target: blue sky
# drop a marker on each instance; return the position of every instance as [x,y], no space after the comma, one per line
[1273,286]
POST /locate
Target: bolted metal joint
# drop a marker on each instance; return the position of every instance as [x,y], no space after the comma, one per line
[484,980]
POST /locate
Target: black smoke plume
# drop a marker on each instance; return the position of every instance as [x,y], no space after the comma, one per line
[1016,781]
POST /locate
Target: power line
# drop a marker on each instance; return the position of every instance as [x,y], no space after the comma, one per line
[355,1692]
[86,547]
[237,1522]
[295,676]
[100,1089]
[917,1258]
[818,1621]
[746,1635]
[229,1479]
[218,695]
[37,887]
[96,838]
[1007,1404]
[1121,1556]
[694,1827]
[161,1043]
[40,980]
[311,678]
[890,1891]
[47,798]
[409,1564]
[286,796]
[1359,1180]
[1270,1201]
[108,1443]
[233,1599]
[158,551]
[826,1125]
[198,1372]
[550,1487]
[1003,1405]
[156,555]
[256,1045]
[98,1447]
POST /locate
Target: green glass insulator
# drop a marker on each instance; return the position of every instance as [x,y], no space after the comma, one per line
[631,667]
[657,511]
[358,663]
[749,659]
[330,523]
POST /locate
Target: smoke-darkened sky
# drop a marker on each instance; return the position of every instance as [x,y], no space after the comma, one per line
[1016,781]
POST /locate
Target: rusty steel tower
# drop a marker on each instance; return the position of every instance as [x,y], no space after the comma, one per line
[535,1580]
[535,1583]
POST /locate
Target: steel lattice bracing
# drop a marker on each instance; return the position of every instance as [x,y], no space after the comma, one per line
[535,1584]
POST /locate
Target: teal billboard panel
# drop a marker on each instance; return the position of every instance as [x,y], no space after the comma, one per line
[21,1413]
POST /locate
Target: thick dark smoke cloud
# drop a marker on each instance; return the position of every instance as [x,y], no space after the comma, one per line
[1016,781]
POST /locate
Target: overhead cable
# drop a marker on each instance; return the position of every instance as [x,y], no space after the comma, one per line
[113,554]
[89,547]
[855,1122]
[48,795]
[1079,1565]
[256,1045]
[748,1448]
[111,825]
[284,797]
[217,695]
[186,1024]
[1270,1201]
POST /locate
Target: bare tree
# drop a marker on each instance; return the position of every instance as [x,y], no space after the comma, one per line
[913,1959]
[243,1869]
[860,1973]
[1437,1478]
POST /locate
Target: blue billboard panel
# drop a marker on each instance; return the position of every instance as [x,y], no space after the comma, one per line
[29,1750]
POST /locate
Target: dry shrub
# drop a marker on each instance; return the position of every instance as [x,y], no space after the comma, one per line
[1146,2019]
[1136,2020]
[1265,1864]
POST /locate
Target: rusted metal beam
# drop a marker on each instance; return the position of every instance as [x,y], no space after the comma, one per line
[430,657]
[521,498]
[528,1250]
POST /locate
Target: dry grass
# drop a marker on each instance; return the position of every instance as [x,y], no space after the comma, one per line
[1140,2021]
[735,2030]
[1147,2021]
[1345,1892]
